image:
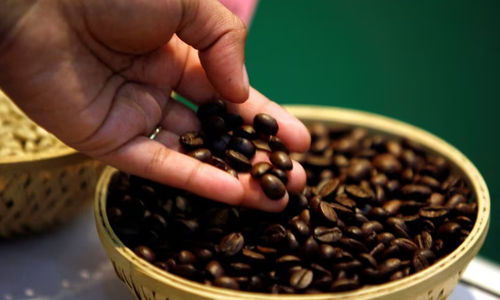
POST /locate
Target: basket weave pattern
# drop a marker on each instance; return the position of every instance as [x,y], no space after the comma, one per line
[32,200]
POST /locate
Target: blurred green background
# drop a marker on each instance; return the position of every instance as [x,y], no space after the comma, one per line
[434,64]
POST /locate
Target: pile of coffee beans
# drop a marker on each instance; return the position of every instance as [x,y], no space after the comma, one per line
[19,135]
[375,209]
[226,143]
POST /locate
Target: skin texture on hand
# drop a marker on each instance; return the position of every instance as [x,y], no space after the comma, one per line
[99,75]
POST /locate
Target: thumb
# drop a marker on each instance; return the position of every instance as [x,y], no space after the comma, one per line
[219,36]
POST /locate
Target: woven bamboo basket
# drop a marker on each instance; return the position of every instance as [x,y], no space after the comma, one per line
[40,190]
[433,283]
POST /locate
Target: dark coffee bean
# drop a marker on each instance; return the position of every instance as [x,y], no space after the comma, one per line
[379,179]
[327,212]
[214,125]
[372,226]
[398,227]
[311,247]
[187,271]
[191,140]
[416,191]
[233,121]
[325,174]
[392,207]
[367,260]
[465,209]
[238,161]
[430,182]
[276,144]
[253,256]
[275,233]
[201,154]
[291,241]
[317,161]
[218,144]
[239,268]
[217,107]
[406,245]
[233,172]
[281,160]
[359,192]
[449,229]
[378,213]
[435,199]
[204,254]
[358,169]
[389,266]
[145,253]
[305,215]
[422,259]
[327,187]
[256,283]
[433,213]
[378,250]
[387,163]
[214,269]
[346,145]
[299,227]
[261,145]
[243,146]
[186,257]
[266,250]
[301,279]
[272,186]
[287,261]
[327,252]
[260,168]
[392,186]
[280,174]
[347,265]
[353,245]
[219,163]
[264,123]
[424,240]
[345,284]
[245,131]
[232,243]
[227,282]
[455,200]
[115,215]
[353,232]
[385,237]
[281,289]
[327,234]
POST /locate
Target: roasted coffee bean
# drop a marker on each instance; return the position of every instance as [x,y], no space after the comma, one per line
[433,213]
[465,209]
[398,226]
[287,261]
[264,123]
[272,186]
[354,232]
[416,191]
[238,161]
[406,245]
[311,247]
[367,260]
[301,279]
[276,144]
[239,268]
[327,252]
[424,240]
[348,265]
[243,146]
[372,226]
[217,107]
[387,163]
[266,250]
[327,234]
[214,269]
[358,169]
[300,228]
[327,187]
[389,266]
[359,192]
[226,282]
[280,174]
[291,241]
[385,237]
[353,245]
[275,233]
[422,259]
[449,229]
[214,125]
[378,250]
[327,212]
[253,256]
[186,257]
[145,253]
[218,144]
[232,243]
[305,215]
[233,121]
[345,284]
[218,163]
[245,131]
[188,271]
[201,154]
[191,140]
[455,200]
[260,168]
[435,199]
[281,160]
[204,254]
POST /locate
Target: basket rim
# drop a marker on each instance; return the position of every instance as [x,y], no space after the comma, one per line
[310,113]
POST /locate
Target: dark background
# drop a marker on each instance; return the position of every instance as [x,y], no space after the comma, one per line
[434,64]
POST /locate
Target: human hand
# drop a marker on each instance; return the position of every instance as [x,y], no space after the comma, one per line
[99,75]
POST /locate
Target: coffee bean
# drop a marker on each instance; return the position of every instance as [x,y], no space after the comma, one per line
[345,284]
[264,123]
[305,215]
[301,279]
[389,266]
[455,200]
[299,227]
[327,187]
[239,268]
[359,192]
[275,233]
[243,146]
[281,160]
[405,244]
[287,261]
[433,213]
[245,131]
[217,107]
[214,125]
[354,232]
[280,174]
[367,260]
[238,161]
[358,169]
[435,199]
[218,144]
[291,241]
[327,212]
[233,121]
[424,240]
[449,229]
[186,257]
[253,256]
[422,259]
[392,207]
[214,269]
[201,154]
[416,191]
[188,271]
[328,252]
[266,250]
[232,243]
[260,168]
[311,247]
[204,254]
[218,163]
[353,245]
[327,234]
[191,140]
[272,186]
[378,250]
[385,237]
[226,282]
[387,163]
[398,227]
[276,144]
[348,265]
[372,226]
[145,253]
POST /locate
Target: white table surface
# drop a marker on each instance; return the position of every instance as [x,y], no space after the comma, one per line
[70,264]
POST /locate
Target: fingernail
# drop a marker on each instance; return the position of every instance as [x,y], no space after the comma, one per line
[246,82]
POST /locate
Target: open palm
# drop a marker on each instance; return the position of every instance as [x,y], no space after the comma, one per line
[99,75]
